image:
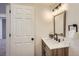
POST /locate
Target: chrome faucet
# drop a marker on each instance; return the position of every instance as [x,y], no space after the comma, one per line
[55,36]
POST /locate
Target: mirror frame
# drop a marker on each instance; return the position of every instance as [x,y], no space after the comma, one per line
[64,23]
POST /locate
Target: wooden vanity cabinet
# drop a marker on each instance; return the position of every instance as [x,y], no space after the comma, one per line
[54,52]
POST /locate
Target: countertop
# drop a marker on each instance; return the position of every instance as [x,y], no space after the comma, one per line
[52,44]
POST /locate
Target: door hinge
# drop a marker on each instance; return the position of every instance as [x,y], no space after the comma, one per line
[9,11]
[9,34]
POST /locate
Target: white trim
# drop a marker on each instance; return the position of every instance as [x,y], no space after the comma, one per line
[7,30]
[2,15]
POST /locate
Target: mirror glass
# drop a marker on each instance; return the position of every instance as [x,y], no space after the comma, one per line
[60,23]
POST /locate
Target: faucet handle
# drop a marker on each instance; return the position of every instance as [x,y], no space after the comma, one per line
[58,40]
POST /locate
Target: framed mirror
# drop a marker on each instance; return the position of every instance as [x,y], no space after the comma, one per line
[60,24]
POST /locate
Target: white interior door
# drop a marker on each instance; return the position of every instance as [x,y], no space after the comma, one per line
[22,30]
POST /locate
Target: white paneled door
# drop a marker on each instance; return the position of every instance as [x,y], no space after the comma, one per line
[22,30]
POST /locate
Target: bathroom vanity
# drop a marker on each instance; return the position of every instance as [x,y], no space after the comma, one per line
[51,47]
[57,46]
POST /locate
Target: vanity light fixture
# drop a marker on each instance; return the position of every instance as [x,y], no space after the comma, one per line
[57,7]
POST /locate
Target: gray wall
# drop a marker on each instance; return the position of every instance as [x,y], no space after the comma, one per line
[3,12]
[2,8]
[4,28]
[2,41]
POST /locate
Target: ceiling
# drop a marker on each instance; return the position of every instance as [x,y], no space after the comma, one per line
[50,5]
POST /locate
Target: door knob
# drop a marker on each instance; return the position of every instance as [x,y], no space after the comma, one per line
[32,39]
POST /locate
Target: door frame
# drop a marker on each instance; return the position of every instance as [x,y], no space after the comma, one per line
[8,30]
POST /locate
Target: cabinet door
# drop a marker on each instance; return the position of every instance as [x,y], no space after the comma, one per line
[66,50]
[48,52]
[54,52]
[62,52]
[45,50]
